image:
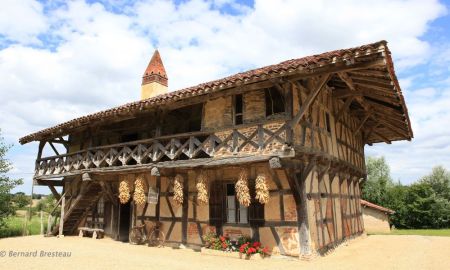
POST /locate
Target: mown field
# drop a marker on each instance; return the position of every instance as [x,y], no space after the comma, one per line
[15,226]
[423,232]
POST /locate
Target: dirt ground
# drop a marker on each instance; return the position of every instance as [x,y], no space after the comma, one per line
[371,252]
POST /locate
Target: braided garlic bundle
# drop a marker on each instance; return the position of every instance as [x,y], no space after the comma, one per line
[124,192]
[262,190]
[242,191]
[202,190]
[178,189]
[139,193]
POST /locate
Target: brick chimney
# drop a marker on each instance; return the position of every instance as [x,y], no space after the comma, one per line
[154,80]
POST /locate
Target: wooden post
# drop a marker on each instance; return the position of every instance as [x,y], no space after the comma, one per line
[25,226]
[61,219]
[304,234]
[42,223]
[184,218]
[49,224]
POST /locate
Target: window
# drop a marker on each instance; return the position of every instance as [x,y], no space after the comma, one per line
[236,213]
[327,122]
[238,110]
[183,120]
[274,101]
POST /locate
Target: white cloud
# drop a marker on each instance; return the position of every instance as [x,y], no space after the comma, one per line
[22,20]
[98,56]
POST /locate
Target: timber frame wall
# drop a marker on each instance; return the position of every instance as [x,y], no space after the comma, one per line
[313,153]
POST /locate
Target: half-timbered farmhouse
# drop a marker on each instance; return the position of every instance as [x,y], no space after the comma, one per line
[275,153]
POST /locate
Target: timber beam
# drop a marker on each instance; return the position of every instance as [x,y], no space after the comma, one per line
[55,193]
[369,109]
[107,190]
[47,182]
[310,99]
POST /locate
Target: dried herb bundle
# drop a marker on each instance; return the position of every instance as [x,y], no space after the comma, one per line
[202,190]
[124,192]
[139,193]
[178,189]
[242,190]
[262,189]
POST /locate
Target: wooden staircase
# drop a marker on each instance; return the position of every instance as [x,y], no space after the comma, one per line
[79,208]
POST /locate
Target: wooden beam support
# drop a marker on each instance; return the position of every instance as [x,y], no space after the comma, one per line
[386,140]
[45,182]
[371,130]
[107,190]
[361,124]
[54,148]
[310,99]
[55,192]
[298,175]
[344,108]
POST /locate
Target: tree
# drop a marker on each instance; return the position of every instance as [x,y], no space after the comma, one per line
[425,208]
[439,180]
[6,184]
[396,201]
[21,200]
[379,179]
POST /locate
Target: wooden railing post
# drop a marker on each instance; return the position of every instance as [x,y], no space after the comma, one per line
[61,219]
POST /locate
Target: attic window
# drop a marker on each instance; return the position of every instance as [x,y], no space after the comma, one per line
[274,101]
[238,110]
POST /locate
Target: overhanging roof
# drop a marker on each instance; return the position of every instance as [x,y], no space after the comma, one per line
[358,62]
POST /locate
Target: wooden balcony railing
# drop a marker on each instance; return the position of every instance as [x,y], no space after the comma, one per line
[257,139]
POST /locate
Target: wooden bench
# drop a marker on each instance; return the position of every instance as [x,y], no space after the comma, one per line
[96,233]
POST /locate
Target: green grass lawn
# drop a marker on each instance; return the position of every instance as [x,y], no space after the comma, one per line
[426,232]
[14,226]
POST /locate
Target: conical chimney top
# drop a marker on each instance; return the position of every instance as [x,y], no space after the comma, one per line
[156,66]
[154,80]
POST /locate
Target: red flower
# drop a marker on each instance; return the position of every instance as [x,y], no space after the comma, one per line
[222,238]
[265,250]
[256,244]
[243,247]
[224,245]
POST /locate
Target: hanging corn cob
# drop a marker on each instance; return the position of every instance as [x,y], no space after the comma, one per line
[139,193]
[262,190]
[202,190]
[242,191]
[124,191]
[178,189]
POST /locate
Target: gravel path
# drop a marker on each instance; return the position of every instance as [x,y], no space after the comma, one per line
[372,252]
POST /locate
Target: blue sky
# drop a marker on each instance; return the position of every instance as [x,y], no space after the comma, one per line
[63,59]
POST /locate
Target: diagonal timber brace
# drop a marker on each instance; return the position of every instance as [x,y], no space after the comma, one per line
[310,99]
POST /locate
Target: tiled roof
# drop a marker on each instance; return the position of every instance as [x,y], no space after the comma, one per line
[305,65]
[377,207]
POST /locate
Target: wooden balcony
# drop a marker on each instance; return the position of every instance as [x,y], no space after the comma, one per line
[258,140]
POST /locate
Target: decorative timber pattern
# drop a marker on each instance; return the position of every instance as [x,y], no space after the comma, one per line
[264,139]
